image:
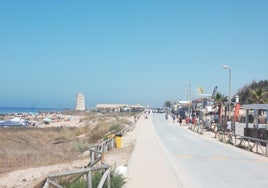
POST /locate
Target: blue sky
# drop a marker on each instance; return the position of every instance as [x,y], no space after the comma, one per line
[118,51]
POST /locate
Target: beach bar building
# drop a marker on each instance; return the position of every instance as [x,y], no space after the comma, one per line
[255,131]
[119,108]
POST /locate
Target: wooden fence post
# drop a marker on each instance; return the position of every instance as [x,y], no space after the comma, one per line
[102,158]
[266,149]
[89,180]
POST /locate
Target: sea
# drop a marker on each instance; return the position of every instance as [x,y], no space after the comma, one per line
[12,110]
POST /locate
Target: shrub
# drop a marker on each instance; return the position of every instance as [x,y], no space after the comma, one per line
[81,146]
[81,183]
[117,181]
[98,132]
[115,127]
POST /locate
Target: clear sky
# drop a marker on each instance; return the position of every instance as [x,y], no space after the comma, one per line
[128,51]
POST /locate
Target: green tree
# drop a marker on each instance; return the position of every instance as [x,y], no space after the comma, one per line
[258,96]
[245,93]
[168,104]
[219,101]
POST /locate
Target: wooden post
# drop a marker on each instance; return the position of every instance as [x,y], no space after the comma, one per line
[102,158]
[247,118]
[92,157]
[257,146]
[266,148]
[89,180]
[109,180]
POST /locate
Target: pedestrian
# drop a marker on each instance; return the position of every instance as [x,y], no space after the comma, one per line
[135,119]
[229,129]
[194,120]
[180,120]
[229,126]
[212,127]
[174,118]
[207,124]
[146,115]
[217,129]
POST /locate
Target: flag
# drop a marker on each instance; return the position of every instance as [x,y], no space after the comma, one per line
[214,92]
[200,90]
[236,111]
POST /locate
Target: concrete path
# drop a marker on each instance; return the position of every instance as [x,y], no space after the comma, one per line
[148,165]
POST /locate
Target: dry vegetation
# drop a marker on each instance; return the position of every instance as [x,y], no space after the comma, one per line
[33,147]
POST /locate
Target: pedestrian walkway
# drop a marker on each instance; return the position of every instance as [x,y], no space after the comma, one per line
[148,165]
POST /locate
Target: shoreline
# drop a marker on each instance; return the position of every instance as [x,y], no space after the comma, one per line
[27,110]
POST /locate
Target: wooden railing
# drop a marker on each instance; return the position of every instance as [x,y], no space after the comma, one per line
[52,178]
[96,154]
[255,145]
[199,128]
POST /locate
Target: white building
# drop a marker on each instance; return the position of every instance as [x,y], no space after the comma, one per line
[80,102]
[119,108]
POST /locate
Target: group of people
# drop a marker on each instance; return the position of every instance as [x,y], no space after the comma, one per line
[173,118]
[215,127]
[146,114]
[180,120]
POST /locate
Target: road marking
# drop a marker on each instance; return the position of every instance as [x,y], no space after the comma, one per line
[213,157]
[261,160]
[218,158]
[184,156]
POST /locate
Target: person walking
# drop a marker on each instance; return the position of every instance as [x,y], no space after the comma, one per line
[212,127]
[229,126]
[217,129]
[180,120]
[174,118]
[166,116]
[229,130]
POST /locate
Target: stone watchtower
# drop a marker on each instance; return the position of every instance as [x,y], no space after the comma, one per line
[80,102]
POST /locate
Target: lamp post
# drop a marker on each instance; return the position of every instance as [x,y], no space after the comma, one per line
[229,97]
[189,96]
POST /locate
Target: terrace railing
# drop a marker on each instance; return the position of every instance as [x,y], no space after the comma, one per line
[255,145]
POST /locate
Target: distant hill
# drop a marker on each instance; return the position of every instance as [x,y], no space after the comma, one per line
[255,92]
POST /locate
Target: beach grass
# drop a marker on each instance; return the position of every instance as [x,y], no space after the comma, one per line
[34,147]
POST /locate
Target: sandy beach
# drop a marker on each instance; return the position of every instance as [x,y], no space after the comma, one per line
[29,177]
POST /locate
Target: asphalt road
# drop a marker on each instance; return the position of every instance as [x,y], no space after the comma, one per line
[199,161]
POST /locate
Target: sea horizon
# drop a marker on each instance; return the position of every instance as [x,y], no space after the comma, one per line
[12,110]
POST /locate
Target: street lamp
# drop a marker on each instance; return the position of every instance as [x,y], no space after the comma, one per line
[229,97]
[189,96]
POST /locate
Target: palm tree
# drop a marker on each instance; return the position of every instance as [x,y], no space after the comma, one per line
[248,94]
[219,101]
[258,96]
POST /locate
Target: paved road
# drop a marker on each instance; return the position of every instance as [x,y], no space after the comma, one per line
[199,161]
[149,166]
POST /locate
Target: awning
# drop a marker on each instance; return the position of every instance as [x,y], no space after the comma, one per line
[255,106]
